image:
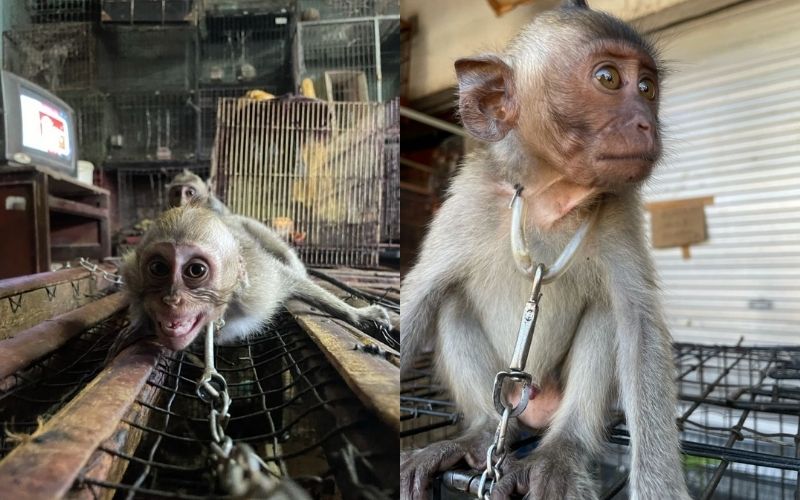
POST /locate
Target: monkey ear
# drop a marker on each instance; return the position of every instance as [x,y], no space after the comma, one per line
[486,96]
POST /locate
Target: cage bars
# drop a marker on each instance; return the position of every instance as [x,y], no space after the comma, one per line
[311,170]
[739,415]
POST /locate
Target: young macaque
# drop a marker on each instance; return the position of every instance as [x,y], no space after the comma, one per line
[189,187]
[194,266]
[570,112]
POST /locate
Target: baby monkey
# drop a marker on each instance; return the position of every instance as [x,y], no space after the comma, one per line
[195,266]
[188,187]
[570,112]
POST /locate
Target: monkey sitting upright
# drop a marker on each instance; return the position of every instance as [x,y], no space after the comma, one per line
[570,110]
[189,187]
[194,267]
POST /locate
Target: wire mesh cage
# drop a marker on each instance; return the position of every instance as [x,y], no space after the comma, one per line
[248,47]
[93,119]
[55,56]
[739,415]
[60,11]
[153,126]
[390,225]
[288,404]
[310,169]
[337,9]
[358,47]
[143,190]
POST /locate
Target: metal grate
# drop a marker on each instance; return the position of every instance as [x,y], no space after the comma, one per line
[289,404]
[739,412]
[246,47]
[55,56]
[154,126]
[61,11]
[358,45]
[208,102]
[390,225]
[310,169]
[92,112]
[143,191]
[47,385]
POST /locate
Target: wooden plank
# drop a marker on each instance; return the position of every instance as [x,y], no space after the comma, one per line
[374,380]
[27,346]
[47,464]
[28,300]
[76,208]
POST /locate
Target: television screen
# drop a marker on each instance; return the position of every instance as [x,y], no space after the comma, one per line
[39,127]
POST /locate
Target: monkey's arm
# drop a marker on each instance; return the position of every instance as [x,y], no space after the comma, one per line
[646,374]
[216,205]
[304,289]
[271,242]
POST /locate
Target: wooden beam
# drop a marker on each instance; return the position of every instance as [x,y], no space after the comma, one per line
[374,380]
[47,464]
[28,346]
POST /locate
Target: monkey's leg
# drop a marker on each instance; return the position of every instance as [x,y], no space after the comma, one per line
[272,243]
[647,389]
[466,363]
[304,289]
[559,468]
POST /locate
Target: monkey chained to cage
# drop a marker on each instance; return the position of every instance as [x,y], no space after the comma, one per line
[195,267]
[570,113]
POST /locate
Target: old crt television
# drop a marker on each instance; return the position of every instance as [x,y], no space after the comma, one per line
[39,128]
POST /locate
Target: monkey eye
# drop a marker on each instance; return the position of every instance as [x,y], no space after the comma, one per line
[608,76]
[190,192]
[195,270]
[158,269]
[647,88]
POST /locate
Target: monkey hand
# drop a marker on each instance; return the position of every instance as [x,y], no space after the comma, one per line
[374,316]
[418,467]
[557,470]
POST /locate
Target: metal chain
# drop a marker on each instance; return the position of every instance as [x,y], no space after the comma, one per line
[94,269]
[241,471]
[497,452]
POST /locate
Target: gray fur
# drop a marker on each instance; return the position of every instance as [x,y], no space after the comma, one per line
[601,331]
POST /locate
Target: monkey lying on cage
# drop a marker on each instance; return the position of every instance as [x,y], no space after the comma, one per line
[571,114]
[188,188]
[195,266]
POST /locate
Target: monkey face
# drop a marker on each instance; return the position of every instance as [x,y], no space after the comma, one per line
[182,195]
[184,292]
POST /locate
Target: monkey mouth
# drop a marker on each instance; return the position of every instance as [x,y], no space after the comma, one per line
[177,332]
[644,157]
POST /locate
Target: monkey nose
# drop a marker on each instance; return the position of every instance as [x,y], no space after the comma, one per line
[172,300]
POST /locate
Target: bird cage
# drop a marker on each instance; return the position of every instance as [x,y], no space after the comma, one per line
[390,226]
[312,170]
[56,56]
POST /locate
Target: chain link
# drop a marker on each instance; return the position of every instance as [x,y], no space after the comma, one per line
[95,269]
[497,452]
[240,470]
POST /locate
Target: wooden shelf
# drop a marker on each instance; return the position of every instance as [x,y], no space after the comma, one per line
[75,208]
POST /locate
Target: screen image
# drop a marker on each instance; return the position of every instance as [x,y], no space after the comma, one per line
[44,128]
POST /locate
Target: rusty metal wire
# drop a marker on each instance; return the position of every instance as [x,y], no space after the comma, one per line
[47,385]
[739,415]
[288,403]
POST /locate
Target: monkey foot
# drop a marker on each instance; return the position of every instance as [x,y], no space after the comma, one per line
[555,472]
[418,467]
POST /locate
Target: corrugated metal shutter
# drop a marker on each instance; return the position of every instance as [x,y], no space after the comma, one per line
[732,113]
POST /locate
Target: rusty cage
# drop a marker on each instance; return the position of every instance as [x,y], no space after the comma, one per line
[312,170]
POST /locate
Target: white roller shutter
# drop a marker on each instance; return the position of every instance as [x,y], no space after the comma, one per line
[732,113]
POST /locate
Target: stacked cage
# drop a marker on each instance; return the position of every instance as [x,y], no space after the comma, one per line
[310,169]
